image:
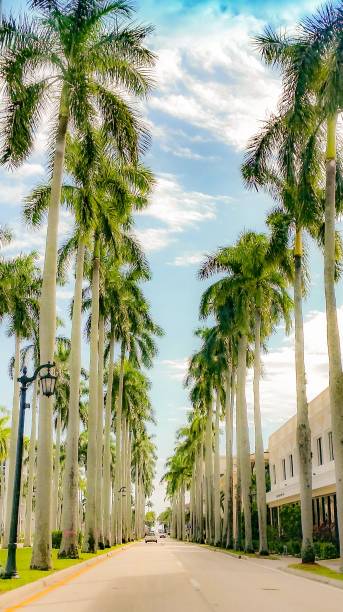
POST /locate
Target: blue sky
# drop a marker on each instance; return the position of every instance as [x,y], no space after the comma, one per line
[211,94]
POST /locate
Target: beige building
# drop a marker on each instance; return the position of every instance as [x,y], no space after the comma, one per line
[284,469]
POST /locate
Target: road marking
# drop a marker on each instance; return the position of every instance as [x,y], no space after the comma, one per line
[61,583]
[179,564]
[195,584]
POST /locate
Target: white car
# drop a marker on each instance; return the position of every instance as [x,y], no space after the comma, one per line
[150,537]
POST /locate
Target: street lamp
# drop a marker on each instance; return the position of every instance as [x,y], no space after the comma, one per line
[48,382]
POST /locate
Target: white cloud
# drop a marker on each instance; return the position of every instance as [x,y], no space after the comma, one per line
[278,392]
[28,170]
[11,195]
[212,78]
[155,239]
[64,294]
[177,210]
[176,368]
[188,259]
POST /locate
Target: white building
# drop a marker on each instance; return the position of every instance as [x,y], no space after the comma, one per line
[284,469]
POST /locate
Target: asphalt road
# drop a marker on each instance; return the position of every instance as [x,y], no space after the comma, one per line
[175,577]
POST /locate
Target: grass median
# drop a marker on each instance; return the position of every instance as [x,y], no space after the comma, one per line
[317,570]
[27,575]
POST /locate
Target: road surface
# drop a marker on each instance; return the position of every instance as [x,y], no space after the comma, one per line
[175,577]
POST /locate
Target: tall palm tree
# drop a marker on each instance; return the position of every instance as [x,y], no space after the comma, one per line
[295,182]
[23,285]
[311,63]
[261,281]
[30,354]
[135,331]
[71,51]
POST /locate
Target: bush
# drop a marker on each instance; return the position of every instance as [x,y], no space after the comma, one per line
[56,538]
[290,520]
[317,549]
[294,548]
[276,547]
[308,553]
[329,551]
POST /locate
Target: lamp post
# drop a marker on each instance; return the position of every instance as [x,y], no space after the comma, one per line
[47,383]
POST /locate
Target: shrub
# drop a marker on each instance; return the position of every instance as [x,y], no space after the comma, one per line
[317,549]
[290,520]
[308,554]
[56,538]
[329,551]
[294,548]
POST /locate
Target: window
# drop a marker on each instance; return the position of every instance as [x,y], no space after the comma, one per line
[291,466]
[331,455]
[319,451]
[274,474]
[284,469]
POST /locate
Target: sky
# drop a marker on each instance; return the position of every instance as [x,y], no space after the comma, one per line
[212,93]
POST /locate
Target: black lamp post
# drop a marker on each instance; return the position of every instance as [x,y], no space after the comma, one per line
[47,384]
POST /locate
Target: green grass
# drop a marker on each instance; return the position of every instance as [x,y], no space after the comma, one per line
[239,553]
[26,575]
[318,570]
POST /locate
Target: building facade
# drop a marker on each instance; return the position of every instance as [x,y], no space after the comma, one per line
[284,467]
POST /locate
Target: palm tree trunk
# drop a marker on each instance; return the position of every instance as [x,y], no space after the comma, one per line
[128,486]
[303,425]
[136,503]
[41,554]
[201,492]
[227,536]
[123,468]
[334,347]
[259,449]
[182,512]
[13,440]
[69,521]
[244,449]
[56,479]
[100,433]
[238,500]
[209,476]
[119,483]
[91,531]
[32,459]
[106,494]
[216,478]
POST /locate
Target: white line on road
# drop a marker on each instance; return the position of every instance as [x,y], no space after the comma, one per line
[195,584]
[179,564]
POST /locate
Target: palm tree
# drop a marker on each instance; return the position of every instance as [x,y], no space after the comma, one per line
[94,178]
[311,65]
[5,433]
[178,477]
[258,290]
[30,353]
[22,290]
[61,358]
[134,330]
[70,51]
[295,182]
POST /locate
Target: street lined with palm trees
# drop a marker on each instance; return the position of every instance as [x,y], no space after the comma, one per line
[81,483]
[173,576]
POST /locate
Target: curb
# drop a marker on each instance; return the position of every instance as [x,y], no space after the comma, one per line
[17,597]
[323,579]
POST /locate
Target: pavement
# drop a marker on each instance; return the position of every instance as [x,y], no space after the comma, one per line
[172,576]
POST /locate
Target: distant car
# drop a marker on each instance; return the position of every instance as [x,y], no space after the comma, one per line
[150,537]
[163,535]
